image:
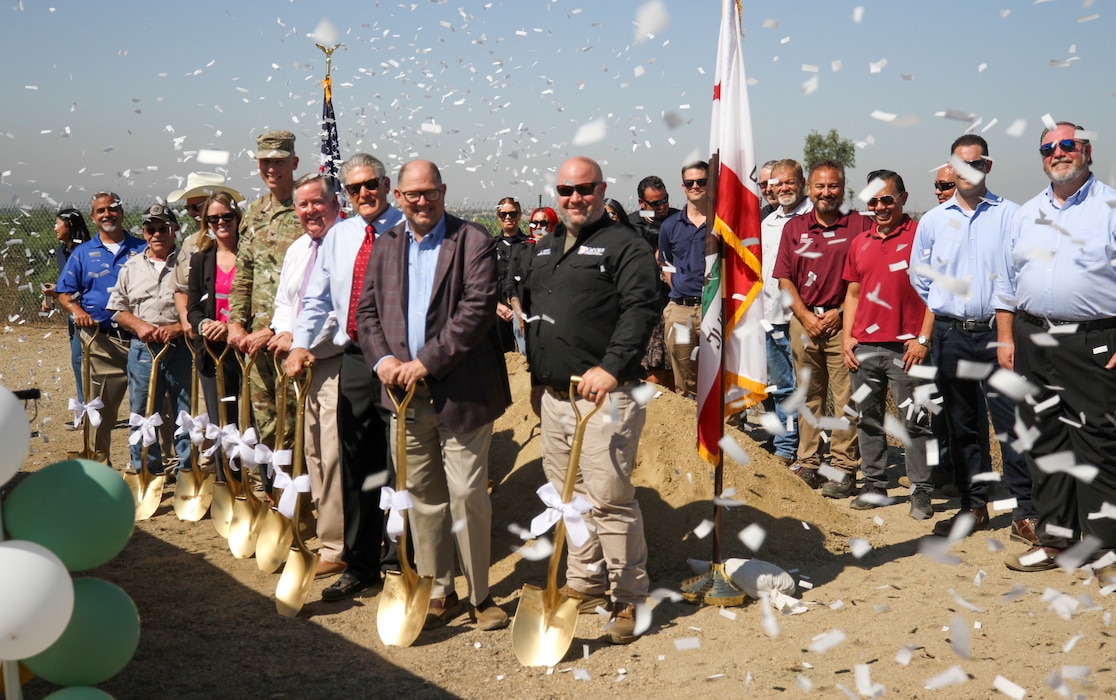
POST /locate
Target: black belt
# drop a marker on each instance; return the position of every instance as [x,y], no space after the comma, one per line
[1101,324]
[353,349]
[963,325]
[687,301]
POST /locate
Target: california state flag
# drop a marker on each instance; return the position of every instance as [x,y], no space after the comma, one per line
[732,360]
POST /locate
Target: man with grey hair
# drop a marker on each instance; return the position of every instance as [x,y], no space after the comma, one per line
[333,292]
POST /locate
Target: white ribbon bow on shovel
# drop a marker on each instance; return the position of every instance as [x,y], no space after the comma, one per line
[237,445]
[291,489]
[571,512]
[397,502]
[196,426]
[146,429]
[212,432]
[91,409]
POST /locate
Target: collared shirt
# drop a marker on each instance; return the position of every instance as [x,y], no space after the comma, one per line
[812,256]
[268,229]
[888,309]
[186,250]
[422,263]
[1059,260]
[771,232]
[968,249]
[146,290]
[287,297]
[331,283]
[91,272]
[682,245]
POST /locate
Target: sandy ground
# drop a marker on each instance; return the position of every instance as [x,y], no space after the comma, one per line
[892,617]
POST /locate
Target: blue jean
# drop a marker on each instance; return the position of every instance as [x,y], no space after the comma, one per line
[780,374]
[967,405]
[520,339]
[75,360]
[173,381]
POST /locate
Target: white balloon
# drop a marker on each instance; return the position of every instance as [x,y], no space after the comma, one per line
[15,435]
[36,599]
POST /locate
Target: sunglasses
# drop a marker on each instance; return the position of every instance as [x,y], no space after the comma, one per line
[887,200]
[508,214]
[584,189]
[414,196]
[539,224]
[370,185]
[978,164]
[658,203]
[195,208]
[700,182]
[943,186]
[214,219]
[1067,146]
[151,230]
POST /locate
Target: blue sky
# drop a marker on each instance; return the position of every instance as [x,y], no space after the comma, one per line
[122,95]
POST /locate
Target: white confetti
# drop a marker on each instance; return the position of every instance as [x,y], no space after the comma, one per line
[827,640]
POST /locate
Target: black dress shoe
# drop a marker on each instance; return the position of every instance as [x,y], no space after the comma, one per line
[346,587]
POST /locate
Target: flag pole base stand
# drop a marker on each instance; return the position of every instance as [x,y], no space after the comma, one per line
[714,587]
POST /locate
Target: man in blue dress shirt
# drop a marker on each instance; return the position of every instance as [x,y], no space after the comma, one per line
[1056,315]
[957,252]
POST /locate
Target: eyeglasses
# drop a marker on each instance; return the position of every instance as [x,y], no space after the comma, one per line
[658,203]
[414,196]
[943,186]
[195,208]
[505,214]
[1067,146]
[152,230]
[214,219]
[584,189]
[353,189]
[979,164]
[700,182]
[539,224]
[762,184]
[887,200]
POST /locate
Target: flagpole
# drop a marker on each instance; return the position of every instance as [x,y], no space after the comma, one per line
[715,587]
[330,147]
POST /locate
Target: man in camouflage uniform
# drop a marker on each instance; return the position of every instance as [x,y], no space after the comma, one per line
[269,227]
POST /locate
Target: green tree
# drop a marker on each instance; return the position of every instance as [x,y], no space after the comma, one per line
[828,147]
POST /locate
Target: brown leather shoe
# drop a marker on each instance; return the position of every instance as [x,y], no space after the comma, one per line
[586,602]
[942,528]
[1015,561]
[809,475]
[489,616]
[328,568]
[621,626]
[1025,530]
[441,611]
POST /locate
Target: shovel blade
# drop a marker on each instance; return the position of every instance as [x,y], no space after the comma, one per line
[274,541]
[193,495]
[135,485]
[151,498]
[243,532]
[295,582]
[404,603]
[221,509]
[543,630]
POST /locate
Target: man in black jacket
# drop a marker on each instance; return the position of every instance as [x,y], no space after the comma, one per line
[591,292]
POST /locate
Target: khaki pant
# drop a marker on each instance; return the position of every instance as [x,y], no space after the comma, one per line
[824,361]
[616,551]
[108,360]
[323,456]
[447,476]
[683,330]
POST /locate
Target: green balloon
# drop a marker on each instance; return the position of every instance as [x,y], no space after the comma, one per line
[79,509]
[100,640]
[79,693]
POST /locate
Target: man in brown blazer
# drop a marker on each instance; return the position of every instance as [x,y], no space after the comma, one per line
[426,317]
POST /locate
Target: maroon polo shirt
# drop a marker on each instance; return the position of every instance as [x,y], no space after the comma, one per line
[880,266]
[812,256]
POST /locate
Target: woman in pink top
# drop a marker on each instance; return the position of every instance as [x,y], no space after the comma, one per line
[212,269]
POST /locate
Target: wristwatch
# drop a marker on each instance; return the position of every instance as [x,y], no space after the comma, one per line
[923,341]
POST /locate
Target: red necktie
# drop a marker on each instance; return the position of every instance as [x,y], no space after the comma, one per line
[359,268]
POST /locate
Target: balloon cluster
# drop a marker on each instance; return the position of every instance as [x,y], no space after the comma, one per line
[68,517]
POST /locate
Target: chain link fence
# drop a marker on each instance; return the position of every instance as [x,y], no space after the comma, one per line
[27,259]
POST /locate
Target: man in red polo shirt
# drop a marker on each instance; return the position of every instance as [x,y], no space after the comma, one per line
[886,331]
[809,268]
